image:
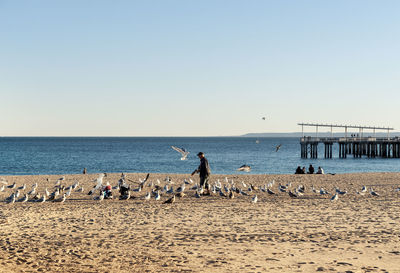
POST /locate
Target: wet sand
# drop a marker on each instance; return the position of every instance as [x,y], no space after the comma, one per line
[356,233]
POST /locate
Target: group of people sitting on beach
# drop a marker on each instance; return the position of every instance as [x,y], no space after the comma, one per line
[311,170]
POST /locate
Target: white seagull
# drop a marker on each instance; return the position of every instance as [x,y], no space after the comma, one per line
[335,197]
[244,168]
[182,151]
[373,193]
[254,199]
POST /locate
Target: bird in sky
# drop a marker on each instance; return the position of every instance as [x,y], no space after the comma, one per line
[263,118]
[278,147]
[182,151]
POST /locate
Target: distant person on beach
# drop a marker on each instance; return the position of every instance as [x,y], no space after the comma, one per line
[84,171]
[107,191]
[311,169]
[320,171]
[303,171]
[298,170]
[204,171]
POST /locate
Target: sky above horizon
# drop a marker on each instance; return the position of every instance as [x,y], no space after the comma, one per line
[196,68]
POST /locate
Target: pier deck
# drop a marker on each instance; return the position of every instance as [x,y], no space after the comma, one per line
[356,145]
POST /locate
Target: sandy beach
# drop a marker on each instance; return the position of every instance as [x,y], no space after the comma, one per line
[310,233]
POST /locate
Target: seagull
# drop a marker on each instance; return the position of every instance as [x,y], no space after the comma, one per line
[147,197]
[11,199]
[270,192]
[100,197]
[23,187]
[182,151]
[99,181]
[54,195]
[171,200]
[221,193]
[124,197]
[263,118]
[62,199]
[278,147]
[245,168]
[180,194]
[171,190]
[2,188]
[396,190]
[181,188]
[340,192]
[32,192]
[322,191]
[12,186]
[158,196]
[373,193]
[231,195]
[291,194]
[46,192]
[299,193]
[42,199]
[313,189]
[197,195]
[335,197]
[364,189]
[24,199]
[301,188]
[282,188]
[254,199]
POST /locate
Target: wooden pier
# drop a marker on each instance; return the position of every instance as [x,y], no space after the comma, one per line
[356,145]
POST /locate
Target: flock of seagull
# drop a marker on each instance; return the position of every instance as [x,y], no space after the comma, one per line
[156,189]
[21,194]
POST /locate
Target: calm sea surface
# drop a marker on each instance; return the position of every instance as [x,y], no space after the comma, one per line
[67,155]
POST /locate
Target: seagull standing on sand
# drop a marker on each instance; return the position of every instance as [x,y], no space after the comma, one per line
[182,151]
[158,196]
[254,199]
[335,197]
[171,200]
[373,193]
[99,182]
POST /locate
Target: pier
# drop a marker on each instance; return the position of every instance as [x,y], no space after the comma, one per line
[355,145]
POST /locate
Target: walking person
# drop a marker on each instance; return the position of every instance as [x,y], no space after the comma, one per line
[204,171]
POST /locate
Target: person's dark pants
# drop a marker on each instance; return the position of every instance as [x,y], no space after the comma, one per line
[204,182]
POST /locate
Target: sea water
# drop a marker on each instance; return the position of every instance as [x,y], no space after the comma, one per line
[68,155]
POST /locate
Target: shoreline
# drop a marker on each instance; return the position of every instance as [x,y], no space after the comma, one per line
[188,174]
[356,233]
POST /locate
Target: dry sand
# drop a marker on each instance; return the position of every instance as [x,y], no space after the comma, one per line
[211,234]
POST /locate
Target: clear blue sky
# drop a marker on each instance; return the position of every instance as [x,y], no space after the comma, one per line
[196,68]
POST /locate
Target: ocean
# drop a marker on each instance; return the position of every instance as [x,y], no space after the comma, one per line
[69,155]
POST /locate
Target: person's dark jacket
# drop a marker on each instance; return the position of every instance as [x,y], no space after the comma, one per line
[204,168]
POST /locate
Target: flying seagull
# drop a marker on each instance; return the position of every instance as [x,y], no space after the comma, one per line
[245,168]
[278,147]
[263,118]
[182,151]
